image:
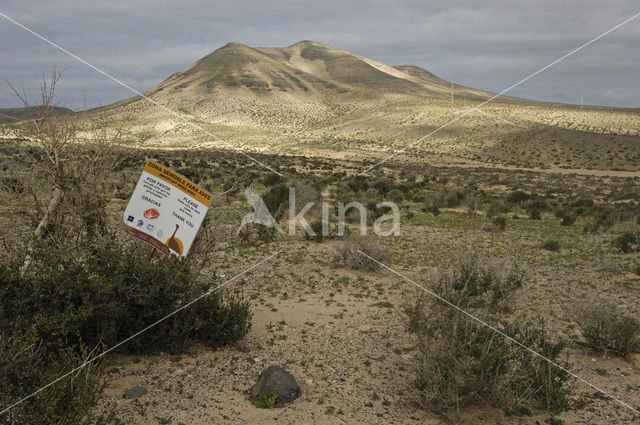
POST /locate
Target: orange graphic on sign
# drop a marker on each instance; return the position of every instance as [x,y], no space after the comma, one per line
[151,213]
[174,243]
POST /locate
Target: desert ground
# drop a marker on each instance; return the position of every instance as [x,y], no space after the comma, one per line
[342,331]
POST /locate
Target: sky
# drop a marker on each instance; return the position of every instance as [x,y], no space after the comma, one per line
[488,45]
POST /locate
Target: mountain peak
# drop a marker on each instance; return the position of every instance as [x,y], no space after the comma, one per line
[305,43]
[306,68]
[234,45]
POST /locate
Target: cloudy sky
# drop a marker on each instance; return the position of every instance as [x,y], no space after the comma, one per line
[489,45]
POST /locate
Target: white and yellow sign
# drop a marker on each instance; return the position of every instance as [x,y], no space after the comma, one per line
[166,210]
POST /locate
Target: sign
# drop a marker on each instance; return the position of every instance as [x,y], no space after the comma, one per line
[166,210]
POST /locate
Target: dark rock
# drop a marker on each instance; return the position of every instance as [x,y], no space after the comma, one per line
[135,392]
[275,380]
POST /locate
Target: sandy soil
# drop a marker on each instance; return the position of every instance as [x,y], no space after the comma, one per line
[350,354]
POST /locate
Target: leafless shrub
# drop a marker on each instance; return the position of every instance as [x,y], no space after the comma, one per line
[606,328]
[347,254]
[613,267]
[66,173]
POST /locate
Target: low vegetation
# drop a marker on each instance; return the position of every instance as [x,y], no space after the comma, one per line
[461,361]
[265,401]
[606,328]
[349,253]
[76,288]
[85,287]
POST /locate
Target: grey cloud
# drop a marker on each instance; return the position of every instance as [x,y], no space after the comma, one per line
[488,45]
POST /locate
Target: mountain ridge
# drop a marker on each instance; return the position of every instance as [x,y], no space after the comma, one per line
[312,67]
[14,115]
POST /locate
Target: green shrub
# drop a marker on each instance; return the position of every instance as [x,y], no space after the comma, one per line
[606,328]
[499,222]
[534,214]
[568,219]
[382,186]
[265,401]
[461,362]
[347,254]
[64,304]
[271,179]
[433,209]
[26,365]
[396,196]
[254,234]
[561,212]
[498,207]
[518,197]
[358,183]
[276,199]
[624,242]
[111,295]
[603,221]
[551,245]
[408,212]
[316,226]
[445,198]
[453,198]
[417,195]
[536,204]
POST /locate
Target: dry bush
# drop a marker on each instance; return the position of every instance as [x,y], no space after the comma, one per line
[551,245]
[306,193]
[606,328]
[612,266]
[25,365]
[78,284]
[627,242]
[347,254]
[255,234]
[462,362]
[66,166]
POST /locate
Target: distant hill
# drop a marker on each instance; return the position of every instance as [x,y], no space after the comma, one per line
[309,67]
[311,99]
[11,115]
[288,90]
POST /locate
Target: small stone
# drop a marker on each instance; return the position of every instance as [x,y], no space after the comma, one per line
[309,382]
[135,392]
[275,380]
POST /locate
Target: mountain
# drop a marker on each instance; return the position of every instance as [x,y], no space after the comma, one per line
[12,115]
[309,67]
[314,99]
[307,90]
